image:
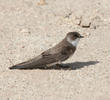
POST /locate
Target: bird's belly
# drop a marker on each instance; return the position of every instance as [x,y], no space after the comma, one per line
[51,64]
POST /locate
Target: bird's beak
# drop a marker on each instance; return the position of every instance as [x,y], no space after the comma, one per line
[81,36]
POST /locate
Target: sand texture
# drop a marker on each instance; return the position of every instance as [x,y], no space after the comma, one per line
[28,27]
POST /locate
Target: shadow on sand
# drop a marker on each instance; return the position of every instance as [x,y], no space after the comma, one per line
[70,66]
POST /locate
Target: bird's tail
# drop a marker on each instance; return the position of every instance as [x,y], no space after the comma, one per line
[24,65]
[30,64]
[16,67]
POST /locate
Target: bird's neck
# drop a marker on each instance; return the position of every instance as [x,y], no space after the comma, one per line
[67,43]
[73,42]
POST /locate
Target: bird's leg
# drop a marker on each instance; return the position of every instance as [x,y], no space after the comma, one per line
[59,64]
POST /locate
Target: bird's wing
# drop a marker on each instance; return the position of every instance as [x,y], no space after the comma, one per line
[27,64]
[45,58]
[60,55]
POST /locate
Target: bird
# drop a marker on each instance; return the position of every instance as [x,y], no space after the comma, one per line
[53,56]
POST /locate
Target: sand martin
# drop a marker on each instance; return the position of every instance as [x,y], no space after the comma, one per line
[55,55]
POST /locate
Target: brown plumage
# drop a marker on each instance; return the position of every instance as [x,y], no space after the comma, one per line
[52,56]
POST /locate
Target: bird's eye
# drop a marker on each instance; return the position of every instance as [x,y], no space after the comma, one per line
[76,35]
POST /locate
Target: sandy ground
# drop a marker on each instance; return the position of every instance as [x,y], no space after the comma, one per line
[28,27]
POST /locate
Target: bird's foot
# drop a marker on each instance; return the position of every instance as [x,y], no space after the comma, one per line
[62,66]
[59,65]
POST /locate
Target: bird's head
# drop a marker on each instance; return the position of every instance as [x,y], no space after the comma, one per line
[73,38]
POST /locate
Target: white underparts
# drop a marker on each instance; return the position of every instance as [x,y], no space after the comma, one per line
[73,42]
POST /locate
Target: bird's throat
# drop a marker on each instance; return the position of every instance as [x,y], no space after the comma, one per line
[73,42]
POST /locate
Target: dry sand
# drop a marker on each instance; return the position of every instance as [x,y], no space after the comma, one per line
[28,27]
